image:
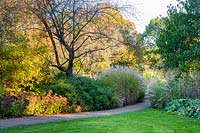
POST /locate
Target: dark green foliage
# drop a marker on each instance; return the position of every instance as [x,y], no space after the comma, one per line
[31,104]
[187,107]
[84,92]
[178,40]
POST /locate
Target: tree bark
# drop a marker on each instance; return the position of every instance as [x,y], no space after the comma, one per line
[69,71]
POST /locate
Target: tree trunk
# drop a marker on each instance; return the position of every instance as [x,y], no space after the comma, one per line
[69,71]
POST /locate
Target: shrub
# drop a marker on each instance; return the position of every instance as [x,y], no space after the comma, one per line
[12,106]
[45,104]
[187,107]
[159,94]
[62,87]
[83,94]
[126,83]
[31,104]
[187,86]
[22,67]
[162,91]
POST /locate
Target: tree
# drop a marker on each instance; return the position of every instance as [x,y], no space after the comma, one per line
[133,40]
[73,26]
[124,57]
[120,55]
[22,53]
[179,40]
[150,35]
[148,38]
[8,21]
[16,21]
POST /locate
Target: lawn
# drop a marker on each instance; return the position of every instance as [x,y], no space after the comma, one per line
[148,120]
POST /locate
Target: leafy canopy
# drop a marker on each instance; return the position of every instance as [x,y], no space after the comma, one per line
[179,40]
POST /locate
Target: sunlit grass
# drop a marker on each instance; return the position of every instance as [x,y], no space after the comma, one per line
[148,120]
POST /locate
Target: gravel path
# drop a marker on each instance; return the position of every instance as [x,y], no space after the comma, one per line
[63,117]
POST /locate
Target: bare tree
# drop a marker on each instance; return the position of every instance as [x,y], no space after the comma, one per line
[73,26]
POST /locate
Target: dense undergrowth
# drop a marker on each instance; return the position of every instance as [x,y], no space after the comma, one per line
[60,93]
[31,104]
[179,94]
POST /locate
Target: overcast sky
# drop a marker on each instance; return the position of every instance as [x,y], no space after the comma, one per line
[148,9]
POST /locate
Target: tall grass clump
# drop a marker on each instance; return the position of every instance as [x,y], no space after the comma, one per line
[163,90]
[125,82]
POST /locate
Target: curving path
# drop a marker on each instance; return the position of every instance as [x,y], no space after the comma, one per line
[63,117]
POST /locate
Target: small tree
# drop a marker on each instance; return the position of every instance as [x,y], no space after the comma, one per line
[73,26]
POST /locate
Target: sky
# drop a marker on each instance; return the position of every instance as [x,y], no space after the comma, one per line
[147,10]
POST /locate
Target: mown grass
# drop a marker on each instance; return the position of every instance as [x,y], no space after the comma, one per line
[148,120]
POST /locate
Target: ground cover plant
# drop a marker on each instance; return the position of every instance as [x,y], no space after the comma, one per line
[187,107]
[148,120]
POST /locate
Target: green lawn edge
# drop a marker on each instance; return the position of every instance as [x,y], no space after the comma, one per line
[147,120]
